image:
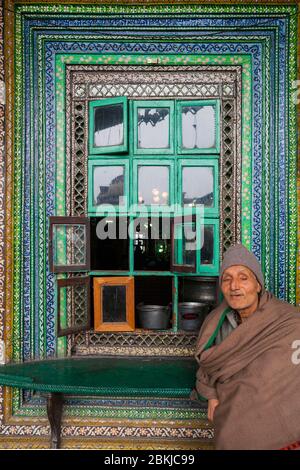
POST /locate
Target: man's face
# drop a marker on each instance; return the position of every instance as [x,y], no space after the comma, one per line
[240,289]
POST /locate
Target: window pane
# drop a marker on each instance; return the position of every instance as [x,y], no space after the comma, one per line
[109,244]
[153,128]
[198,186]
[109,128]
[152,244]
[207,250]
[185,244]
[69,245]
[189,245]
[153,185]
[73,307]
[108,185]
[114,304]
[198,127]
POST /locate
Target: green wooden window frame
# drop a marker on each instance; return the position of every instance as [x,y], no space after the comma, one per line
[153,162]
[134,106]
[107,208]
[177,246]
[213,268]
[204,163]
[211,150]
[94,150]
[178,224]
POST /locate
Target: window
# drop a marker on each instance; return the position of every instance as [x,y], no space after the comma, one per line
[69,291]
[69,240]
[153,127]
[198,184]
[108,185]
[108,126]
[198,127]
[158,154]
[153,183]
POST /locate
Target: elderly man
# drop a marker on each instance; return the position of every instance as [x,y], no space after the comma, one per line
[247,357]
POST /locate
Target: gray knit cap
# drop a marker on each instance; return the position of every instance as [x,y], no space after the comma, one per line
[240,255]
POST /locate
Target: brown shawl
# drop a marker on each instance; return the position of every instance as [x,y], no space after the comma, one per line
[253,376]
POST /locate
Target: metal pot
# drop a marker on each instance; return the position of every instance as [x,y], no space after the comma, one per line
[192,315]
[153,317]
[200,290]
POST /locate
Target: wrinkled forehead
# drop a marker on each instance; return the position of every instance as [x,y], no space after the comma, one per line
[238,269]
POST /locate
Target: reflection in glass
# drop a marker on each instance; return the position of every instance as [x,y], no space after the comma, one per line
[152,244]
[197,186]
[108,185]
[185,244]
[153,185]
[153,128]
[69,245]
[189,245]
[114,304]
[198,127]
[108,125]
[207,250]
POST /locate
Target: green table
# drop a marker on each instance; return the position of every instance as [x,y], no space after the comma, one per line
[158,377]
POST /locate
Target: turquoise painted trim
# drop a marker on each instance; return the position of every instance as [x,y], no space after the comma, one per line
[139,208]
[216,105]
[107,208]
[93,150]
[144,273]
[200,269]
[134,120]
[200,162]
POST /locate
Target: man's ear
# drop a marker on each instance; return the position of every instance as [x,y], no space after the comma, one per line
[259,288]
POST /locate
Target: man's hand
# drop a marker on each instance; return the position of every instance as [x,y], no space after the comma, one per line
[212,405]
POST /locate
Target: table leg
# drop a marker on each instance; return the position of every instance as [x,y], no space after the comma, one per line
[54,411]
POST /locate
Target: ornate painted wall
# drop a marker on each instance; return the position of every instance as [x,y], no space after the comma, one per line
[54,55]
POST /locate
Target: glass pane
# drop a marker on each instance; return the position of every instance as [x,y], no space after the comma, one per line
[153,185]
[185,244]
[189,245]
[73,306]
[108,125]
[114,304]
[207,250]
[152,244]
[109,244]
[198,127]
[198,186]
[69,245]
[108,185]
[153,128]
